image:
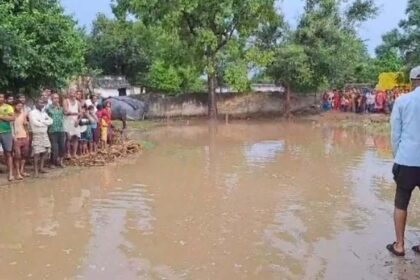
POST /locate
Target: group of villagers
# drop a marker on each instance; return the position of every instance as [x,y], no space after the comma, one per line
[55,128]
[356,100]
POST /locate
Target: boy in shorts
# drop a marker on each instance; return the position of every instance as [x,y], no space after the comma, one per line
[6,138]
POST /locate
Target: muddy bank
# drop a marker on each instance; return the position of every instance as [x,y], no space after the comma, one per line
[373,123]
[117,154]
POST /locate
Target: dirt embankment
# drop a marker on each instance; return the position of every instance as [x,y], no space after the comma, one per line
[375,123]
[123,150]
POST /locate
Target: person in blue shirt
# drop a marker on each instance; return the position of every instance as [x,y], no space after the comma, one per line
[405,137]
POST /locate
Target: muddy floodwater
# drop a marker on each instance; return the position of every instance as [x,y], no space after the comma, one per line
[247,200]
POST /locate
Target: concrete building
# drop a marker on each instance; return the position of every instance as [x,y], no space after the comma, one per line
[109,86]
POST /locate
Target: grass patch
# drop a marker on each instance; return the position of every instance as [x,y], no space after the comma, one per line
[379,128]
[147,145]
[137,125]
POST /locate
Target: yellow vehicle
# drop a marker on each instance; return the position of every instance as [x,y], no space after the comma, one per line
[391,80]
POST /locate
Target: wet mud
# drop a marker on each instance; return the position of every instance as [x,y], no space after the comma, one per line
[247,200]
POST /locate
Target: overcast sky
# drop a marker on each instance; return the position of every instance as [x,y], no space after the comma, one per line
[391,12]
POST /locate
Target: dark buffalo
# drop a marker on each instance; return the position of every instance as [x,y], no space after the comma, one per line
[126,108]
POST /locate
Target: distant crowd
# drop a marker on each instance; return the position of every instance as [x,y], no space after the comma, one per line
[55,128]
[361,100]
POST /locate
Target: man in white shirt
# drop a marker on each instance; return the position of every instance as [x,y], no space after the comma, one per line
[405,132]
[370,102]
[39,122]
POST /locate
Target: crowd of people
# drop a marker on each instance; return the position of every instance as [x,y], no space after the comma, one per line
[361,100]
[56,128]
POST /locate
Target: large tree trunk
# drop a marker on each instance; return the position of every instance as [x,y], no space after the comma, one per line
[287,103]
[212,96]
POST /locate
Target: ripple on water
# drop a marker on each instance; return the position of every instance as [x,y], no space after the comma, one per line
[285,238]
[136,202]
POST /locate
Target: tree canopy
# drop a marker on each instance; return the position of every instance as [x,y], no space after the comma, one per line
[206,29]
[327,45]
[40,46]
[174,46]
[119,48]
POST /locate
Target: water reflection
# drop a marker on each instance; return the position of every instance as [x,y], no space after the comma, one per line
[259,154]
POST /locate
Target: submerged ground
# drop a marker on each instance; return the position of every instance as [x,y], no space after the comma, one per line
[246,200]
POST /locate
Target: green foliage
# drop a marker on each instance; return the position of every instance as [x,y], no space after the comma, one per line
[389,62]
[145,55]
[204,29]
[190,79]
[39,46]
[402,46]
[360,11]
[326,45]
[391,43]
[236,76]
[292,67]
[164,77]
[410,39]
[119,47]
[262,77]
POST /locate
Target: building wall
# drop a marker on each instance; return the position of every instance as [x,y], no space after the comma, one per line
[236,105]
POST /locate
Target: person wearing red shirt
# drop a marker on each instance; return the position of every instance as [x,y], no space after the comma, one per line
[104,117]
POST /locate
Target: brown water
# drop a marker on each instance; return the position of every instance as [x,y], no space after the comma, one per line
[259,200]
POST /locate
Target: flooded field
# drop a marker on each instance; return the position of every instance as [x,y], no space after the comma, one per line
[256,200]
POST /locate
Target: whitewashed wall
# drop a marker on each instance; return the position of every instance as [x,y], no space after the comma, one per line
[114,92]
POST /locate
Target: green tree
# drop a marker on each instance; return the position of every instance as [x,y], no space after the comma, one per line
[323,51]
[331,42]
[164,77]
[410,39]
[400,48]
[39,46]
[144,54]
[204,28]
[391,43]
[292,69]
[118,47]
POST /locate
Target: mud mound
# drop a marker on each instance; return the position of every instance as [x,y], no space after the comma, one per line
[109,155]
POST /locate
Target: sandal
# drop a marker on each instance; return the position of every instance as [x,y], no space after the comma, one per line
[416,249]
[391,248]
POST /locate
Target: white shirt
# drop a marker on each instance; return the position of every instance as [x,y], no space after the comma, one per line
[39,121]
[370,98]
[89,102]
[405,127]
